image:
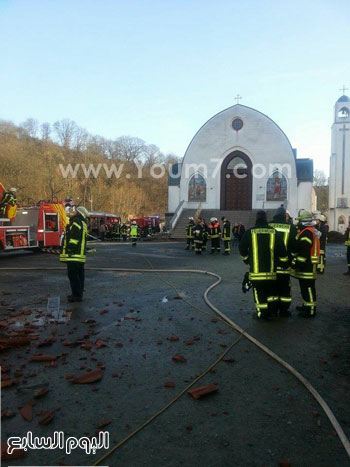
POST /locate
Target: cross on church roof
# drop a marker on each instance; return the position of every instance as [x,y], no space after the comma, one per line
[237,98]
[343,89]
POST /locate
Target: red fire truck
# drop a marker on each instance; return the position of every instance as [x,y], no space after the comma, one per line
[34,227]
[98,219]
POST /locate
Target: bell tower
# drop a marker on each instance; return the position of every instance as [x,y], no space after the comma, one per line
[339,174]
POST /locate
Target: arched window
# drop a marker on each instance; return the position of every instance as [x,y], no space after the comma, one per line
[344,112]
[276,188]
[197,188]
[341,220]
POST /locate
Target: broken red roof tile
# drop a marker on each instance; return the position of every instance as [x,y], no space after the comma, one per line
[101,343]
[229,359]
[42,358]
[6,383]
[7,413]
[104,422]
[189,342]
[179,358]
[89,377]
[16,454]
[169,384]
[102,312]
[159,342]
[203,390]
[315,413]
[40,392]
[222,345]
[46,417]
[9,342]
[27,412]
[173,338]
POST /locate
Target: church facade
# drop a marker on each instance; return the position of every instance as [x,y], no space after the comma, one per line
[339,174]
[241,160]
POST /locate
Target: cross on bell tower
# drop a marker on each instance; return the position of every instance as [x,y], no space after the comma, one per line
[237,98]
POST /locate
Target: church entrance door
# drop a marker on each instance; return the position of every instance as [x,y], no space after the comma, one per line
[236,182]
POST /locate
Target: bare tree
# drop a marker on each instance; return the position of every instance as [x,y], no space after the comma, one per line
[45,130]
[64,130]
[320,178]
[31,127]
[129,148]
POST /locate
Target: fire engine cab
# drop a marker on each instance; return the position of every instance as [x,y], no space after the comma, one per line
[34,227]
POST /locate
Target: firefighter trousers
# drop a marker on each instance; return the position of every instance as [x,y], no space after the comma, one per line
[321,262]
[227,245]
[265,298]
[284,292]
[308,292]
[348,256]
[198,244]
[190,243]
[76,276]
[215,244]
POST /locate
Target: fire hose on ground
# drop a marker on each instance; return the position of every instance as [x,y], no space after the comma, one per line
[336,425]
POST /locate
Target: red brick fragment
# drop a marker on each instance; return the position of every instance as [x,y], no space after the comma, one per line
[159,342]
[42,358]
[315,413]
[89,377]
[173,338]
[203,391]
[102,312]
[46,417]
[189,342]
[179,358]
[229,359]
[169,384]
[222,345]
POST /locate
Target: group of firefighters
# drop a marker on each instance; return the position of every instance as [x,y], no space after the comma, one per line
[121,232]
[274,251]
[199,233]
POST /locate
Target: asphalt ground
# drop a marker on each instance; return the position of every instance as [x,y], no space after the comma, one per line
[260,416]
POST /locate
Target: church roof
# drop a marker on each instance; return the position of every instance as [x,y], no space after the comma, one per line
[344,98]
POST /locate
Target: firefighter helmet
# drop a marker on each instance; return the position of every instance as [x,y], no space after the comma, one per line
[212,219]
[305,216]
[83,211]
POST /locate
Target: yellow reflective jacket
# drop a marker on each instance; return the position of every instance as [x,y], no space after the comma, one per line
[74,242]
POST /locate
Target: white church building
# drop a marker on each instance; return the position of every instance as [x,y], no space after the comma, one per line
[339,175]
[240,160]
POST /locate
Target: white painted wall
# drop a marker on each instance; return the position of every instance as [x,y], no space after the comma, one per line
[260,138]
[305,196]
[173,198]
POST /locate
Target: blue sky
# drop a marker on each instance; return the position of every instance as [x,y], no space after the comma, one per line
[159,69]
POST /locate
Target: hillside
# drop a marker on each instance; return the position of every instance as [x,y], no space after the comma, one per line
[36,159]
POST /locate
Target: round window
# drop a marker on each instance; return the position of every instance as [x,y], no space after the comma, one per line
[237,124]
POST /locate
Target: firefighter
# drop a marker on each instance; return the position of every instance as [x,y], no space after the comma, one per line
[74,252]
[189,233]
[226,235]
[134,233]
[214,235]
[263,249]
[116,231]
[205,234]
[322,227]
[288,233]
[198,238]
[8,199]
[124,231]
[305,263]
[347,244]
